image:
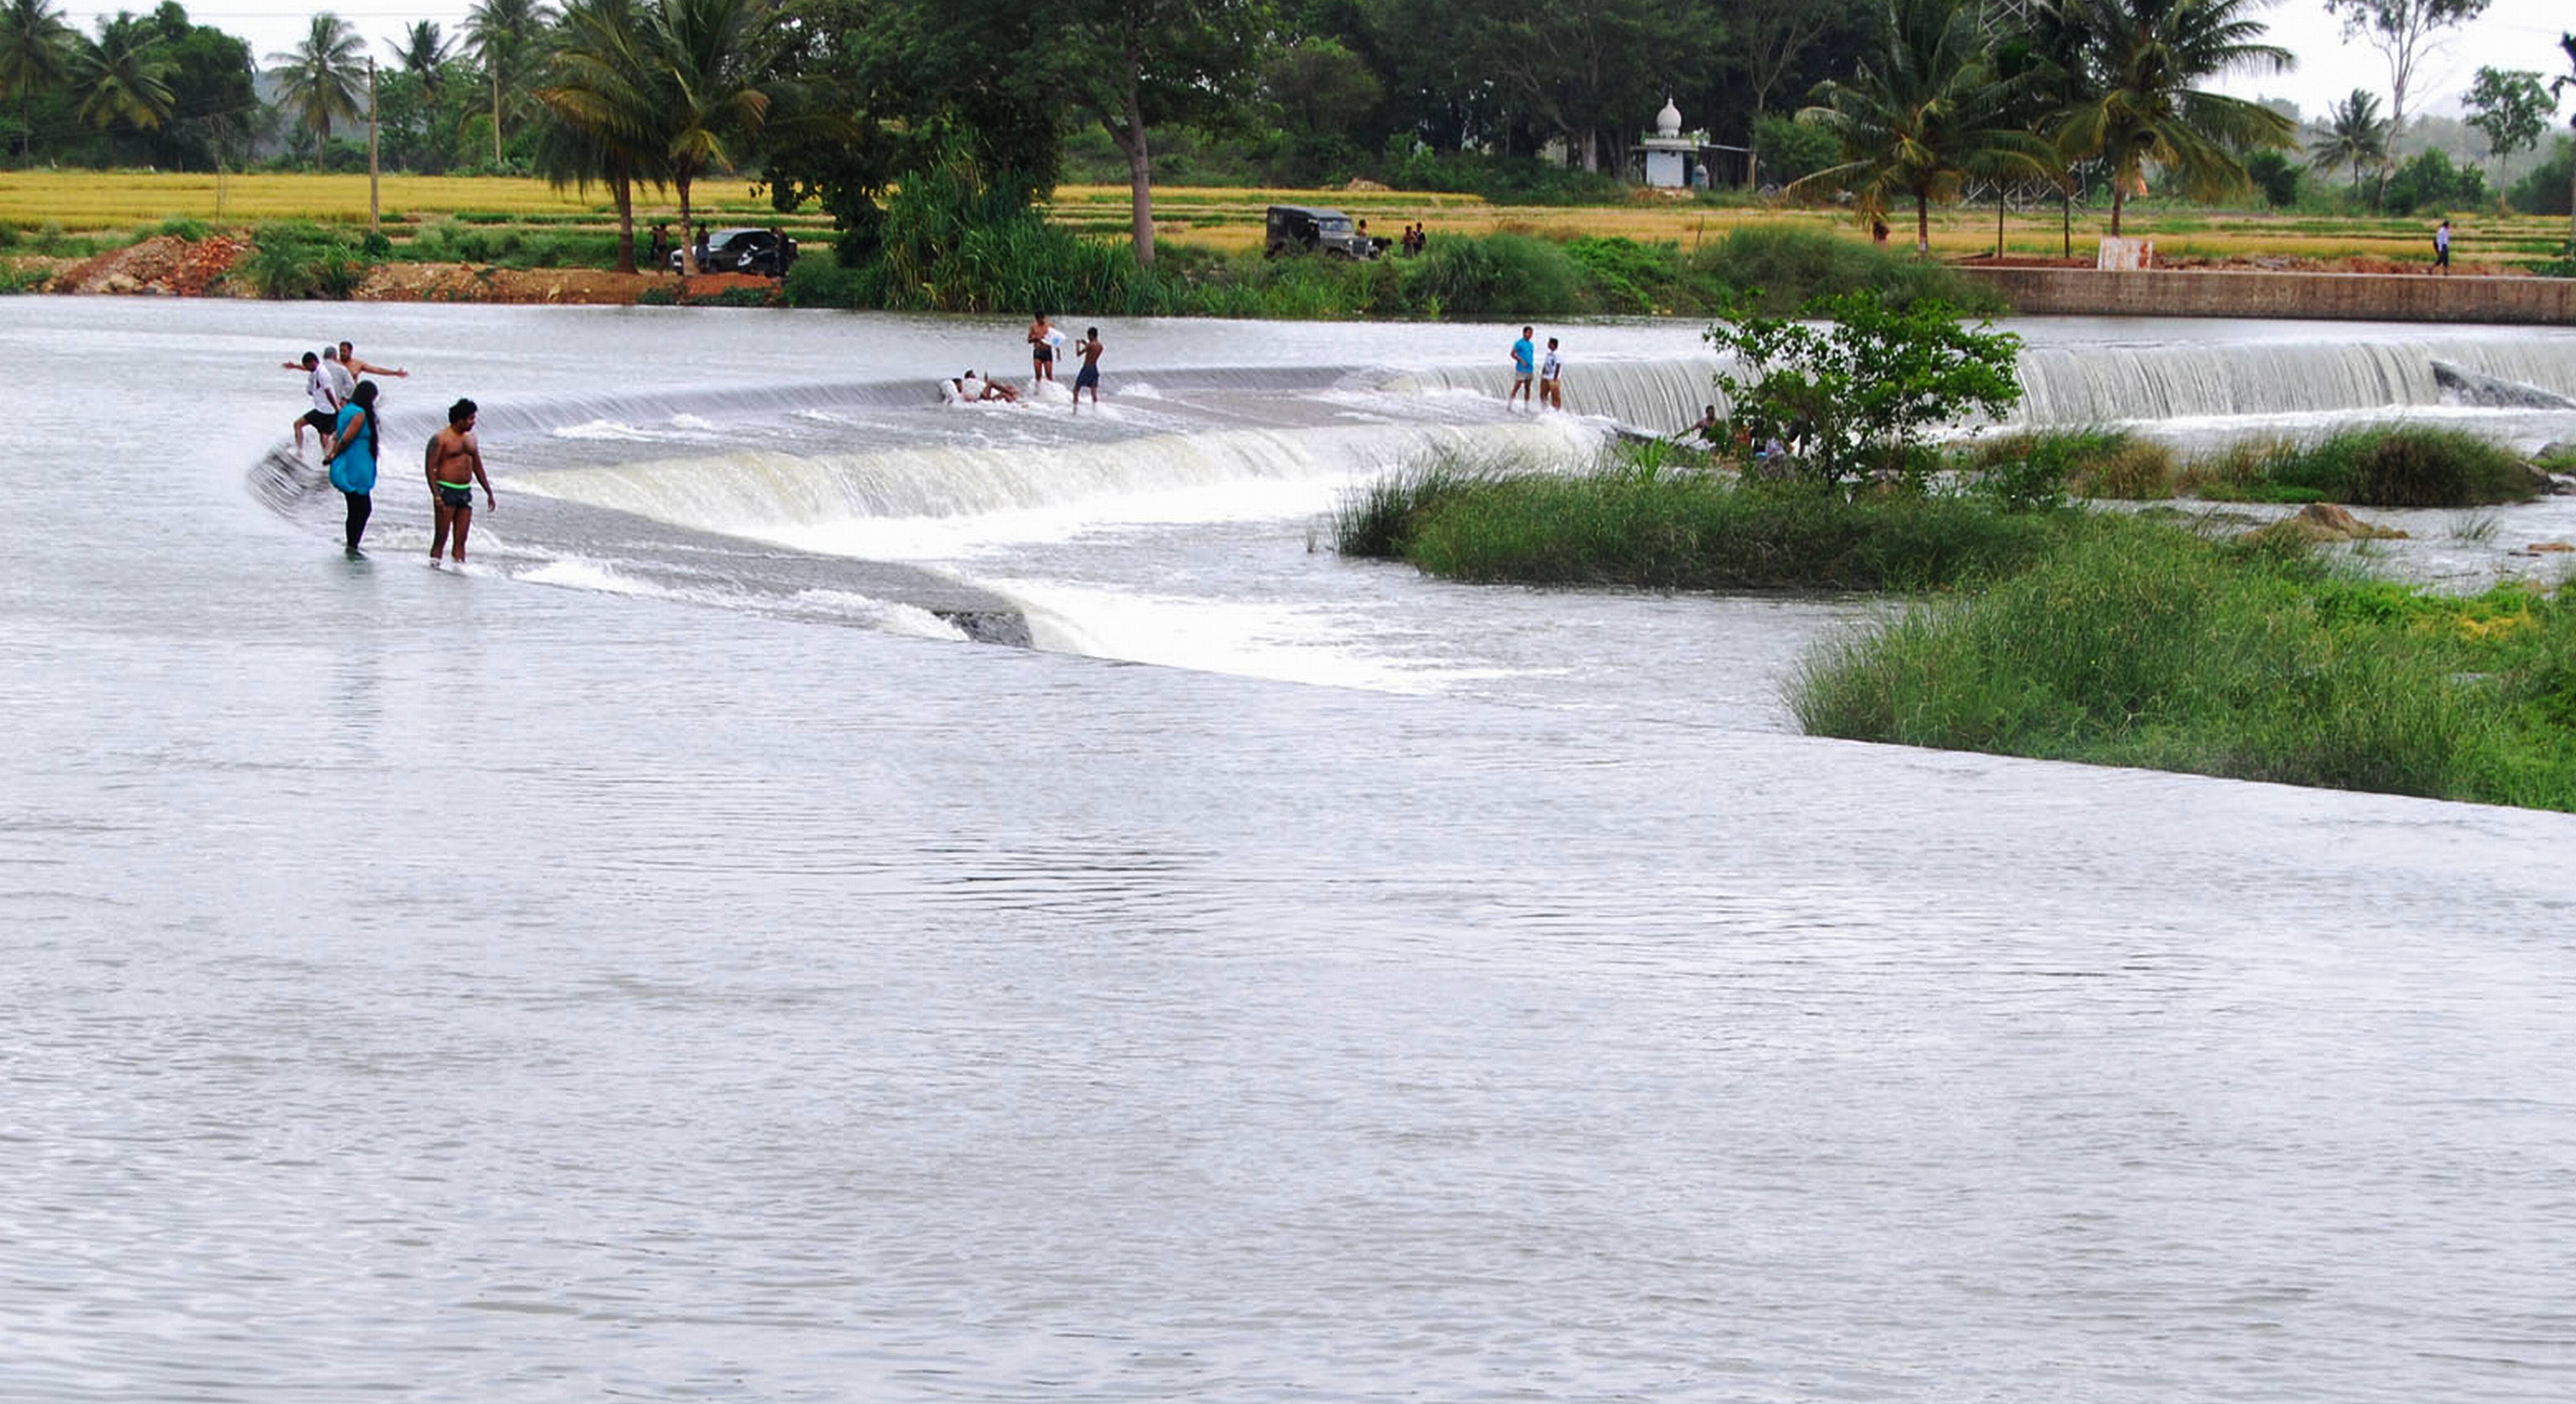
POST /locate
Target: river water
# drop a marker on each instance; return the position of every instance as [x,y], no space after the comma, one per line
[665,960]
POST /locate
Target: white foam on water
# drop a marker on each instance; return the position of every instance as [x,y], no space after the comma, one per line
[886,615]
[1308,644]
[606,430]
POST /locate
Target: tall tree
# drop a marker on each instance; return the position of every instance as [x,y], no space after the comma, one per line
[323,76]
[505,36]
[422,52]
[2353,135]
[2404,32]
[124,79]
[2138,104]
[1921,113]
[603,98]
[1589,73]
[712,62]
[2512,107]
[1141,64]
[1770,36]
[38,53]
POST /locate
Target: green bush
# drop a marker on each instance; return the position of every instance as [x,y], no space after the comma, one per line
[2428,181]
[1787,267]
[2403,465]
[1789,149]
[1502,275]
[2021,467]
[195,231]
[294,259]
[2543,189]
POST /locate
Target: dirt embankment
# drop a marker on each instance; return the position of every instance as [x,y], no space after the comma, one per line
[168,266]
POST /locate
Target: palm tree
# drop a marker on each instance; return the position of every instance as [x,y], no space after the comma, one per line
[711,56]
[321,78]
[602,96]
[2354,135]
[1921,113]
[503,35]
[424,51]
[37,52]
[2137,103]
[124,78]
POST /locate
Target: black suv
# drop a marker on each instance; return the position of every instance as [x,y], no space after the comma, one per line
[744,251]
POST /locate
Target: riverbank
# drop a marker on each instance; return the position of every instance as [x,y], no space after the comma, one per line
[170,266]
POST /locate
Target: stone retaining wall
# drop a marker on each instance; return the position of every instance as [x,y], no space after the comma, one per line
[2359,297]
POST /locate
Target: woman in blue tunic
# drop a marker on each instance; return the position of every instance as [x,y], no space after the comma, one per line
[351,455]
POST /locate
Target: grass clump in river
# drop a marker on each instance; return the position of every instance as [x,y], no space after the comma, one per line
[2137,643]
[2380,465]
[1650,517]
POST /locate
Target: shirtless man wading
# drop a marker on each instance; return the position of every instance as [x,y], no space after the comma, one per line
[455,466]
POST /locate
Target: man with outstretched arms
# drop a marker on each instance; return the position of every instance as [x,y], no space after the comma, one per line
[455,465]
[349,361]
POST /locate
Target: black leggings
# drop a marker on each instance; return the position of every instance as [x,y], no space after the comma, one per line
[359,506]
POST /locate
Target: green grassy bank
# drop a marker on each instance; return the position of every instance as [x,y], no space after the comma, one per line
[1023,264]
[2057,632]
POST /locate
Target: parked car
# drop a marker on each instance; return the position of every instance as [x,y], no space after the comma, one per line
[744,251]
[1295,229]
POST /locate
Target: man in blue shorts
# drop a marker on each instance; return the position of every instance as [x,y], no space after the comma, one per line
[1089,376]
[455,465]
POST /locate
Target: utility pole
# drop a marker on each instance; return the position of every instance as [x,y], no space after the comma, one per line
[375,219]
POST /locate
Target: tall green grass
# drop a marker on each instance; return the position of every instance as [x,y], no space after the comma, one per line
[2380,465]
[1615,522]
[294,259]
[2135,643]
[1790,266]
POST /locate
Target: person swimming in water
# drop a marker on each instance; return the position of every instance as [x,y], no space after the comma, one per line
[454,464]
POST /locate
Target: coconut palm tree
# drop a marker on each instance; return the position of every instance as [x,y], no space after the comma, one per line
[423,51]
[37,52]
[603,99]
[712,56]
[1922,112]
[323,76]
[2137,103]
[504,35]
[2353,135]
[124,77]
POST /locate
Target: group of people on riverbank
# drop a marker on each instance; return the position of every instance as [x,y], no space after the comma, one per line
[1550,371]
[343,418]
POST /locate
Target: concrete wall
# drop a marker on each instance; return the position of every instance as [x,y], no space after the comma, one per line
[2358,297]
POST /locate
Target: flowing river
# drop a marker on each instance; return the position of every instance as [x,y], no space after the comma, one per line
[670,959]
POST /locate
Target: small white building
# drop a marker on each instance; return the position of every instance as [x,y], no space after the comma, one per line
[1670,151]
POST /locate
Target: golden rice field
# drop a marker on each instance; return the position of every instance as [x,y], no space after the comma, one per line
[92,202]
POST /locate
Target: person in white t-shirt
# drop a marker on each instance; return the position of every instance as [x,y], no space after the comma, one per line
[342,383]
[1549,368]
[324,417]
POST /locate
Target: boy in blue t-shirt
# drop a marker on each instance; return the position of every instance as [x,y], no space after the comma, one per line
[1524,361]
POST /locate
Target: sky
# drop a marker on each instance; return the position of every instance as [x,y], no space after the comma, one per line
[2512,34]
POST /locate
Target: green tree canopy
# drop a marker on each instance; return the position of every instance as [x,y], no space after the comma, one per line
[2353,135]
[1921,114]
[323,76]
[2138,102]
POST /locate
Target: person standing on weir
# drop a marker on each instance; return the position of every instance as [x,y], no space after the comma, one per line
[2442,247]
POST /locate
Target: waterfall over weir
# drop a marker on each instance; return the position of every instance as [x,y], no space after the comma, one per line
[2111,383]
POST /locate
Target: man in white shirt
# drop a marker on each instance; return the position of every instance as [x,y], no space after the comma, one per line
[324,417]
